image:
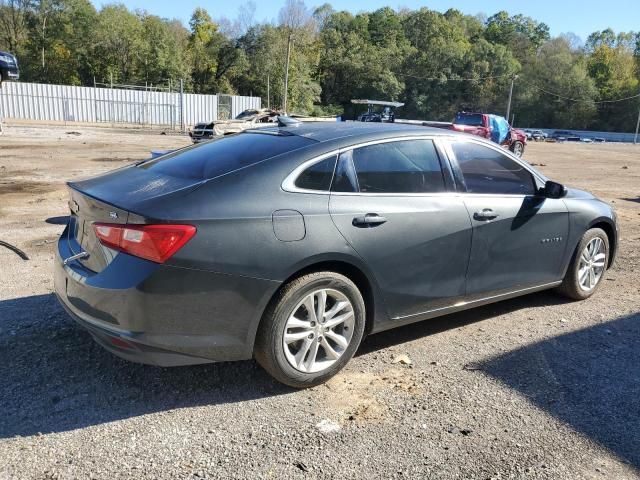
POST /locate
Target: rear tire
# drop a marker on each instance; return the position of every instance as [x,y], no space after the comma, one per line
[303,347]
[587,267]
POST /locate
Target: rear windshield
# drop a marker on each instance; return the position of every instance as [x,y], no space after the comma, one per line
[473,119]
[224,155]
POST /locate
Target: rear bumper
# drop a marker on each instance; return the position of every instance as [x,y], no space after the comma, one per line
[10,73]
[163,315]
[201,136]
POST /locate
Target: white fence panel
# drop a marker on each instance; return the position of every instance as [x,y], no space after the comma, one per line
[200,108]
[62,103]
[239,104]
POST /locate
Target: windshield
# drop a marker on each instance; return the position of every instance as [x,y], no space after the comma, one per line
[247,115]
[471,119]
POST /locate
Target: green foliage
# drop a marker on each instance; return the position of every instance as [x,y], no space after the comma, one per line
[436,63]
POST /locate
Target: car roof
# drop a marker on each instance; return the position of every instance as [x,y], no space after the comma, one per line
[350,131]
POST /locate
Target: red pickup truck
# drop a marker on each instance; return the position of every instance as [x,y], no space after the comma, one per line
[492,127]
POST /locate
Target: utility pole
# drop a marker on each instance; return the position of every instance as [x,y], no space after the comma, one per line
[635,139]
[286,76]
[268,94]
[182,105]
[510,96]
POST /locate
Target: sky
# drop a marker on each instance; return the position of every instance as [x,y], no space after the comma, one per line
[578,17]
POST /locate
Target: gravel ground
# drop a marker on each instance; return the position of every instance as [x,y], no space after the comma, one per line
[535,387]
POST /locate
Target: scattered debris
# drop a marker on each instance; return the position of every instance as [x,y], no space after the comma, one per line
[471,367]
[625,167]
[538,164]
[327,426]
[74,133]
[302,466]
[44,242]
[466,432]
[18,252]
[402,359]
[563,320]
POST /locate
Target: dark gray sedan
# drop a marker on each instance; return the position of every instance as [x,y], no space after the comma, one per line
[289,244]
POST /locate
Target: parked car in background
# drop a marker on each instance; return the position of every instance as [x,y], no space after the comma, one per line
[561,135]
[245,120]
[378,111]
[9,69]
[491,127]
[290,244]
[538,135]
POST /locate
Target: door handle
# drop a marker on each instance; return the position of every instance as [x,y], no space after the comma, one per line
[369,220]
[485,214]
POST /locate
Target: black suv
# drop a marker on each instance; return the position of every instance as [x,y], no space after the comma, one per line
[8,67]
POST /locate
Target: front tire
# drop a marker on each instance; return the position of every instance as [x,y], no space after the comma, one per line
[311,329]
[517,148]
[587,266]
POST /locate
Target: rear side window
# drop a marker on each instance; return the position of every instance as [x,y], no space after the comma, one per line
[224,155]
[486,170]
[470,119]
[407,166]
[318,176]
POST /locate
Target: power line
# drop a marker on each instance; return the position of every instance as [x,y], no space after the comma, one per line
[581,100]
[445,79]
[510,75]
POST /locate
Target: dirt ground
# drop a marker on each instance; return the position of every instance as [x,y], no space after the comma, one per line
[535,387]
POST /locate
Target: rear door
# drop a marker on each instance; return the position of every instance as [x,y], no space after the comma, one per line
[519,237]
[392,201]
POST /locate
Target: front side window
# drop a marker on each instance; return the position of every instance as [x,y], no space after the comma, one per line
[486,170]
[407,166]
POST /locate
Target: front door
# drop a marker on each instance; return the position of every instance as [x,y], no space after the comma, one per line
[391,203]
[519,237]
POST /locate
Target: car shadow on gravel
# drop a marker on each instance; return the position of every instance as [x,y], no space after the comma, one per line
[54,377]
[588,379]
[436,325]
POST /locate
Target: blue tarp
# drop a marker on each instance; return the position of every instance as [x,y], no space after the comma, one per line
[499,128]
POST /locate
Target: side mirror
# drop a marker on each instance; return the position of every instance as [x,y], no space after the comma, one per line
[553,190]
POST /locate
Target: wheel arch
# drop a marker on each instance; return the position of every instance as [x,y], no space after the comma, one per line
[609,228]
[344,265]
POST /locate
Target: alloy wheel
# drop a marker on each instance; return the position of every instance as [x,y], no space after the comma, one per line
[318,330]
[592,264]
[517,149]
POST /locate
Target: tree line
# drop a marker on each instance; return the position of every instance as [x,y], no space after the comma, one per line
[436,63]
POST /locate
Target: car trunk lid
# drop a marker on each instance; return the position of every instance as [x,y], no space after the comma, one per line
[117,198]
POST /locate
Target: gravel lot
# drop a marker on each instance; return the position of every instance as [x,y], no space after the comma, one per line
[535,387]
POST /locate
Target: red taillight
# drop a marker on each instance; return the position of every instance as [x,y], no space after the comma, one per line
[152,242]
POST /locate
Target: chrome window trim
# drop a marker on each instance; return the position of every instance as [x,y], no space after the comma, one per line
[370,194]
[448,140]
[288,185]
